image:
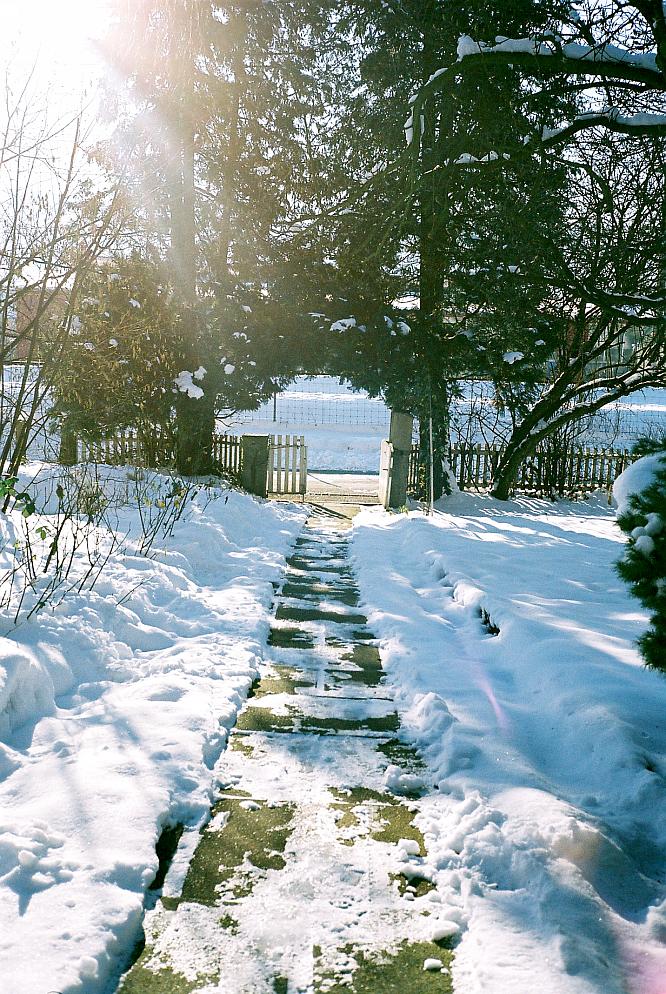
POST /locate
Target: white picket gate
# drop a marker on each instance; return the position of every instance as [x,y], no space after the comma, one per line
[287,465]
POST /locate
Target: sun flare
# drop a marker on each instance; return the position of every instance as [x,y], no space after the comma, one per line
[54,41]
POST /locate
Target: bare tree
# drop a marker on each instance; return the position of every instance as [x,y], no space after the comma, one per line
[57,217]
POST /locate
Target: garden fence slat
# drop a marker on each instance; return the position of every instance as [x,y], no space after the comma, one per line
[568,472]
[303,466]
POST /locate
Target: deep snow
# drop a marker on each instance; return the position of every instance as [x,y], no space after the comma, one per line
[509,643]
[113,711]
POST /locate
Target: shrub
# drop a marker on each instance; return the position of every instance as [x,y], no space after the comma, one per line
[643,566]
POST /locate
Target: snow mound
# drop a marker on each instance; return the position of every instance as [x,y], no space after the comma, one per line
[637,478]
[114,709]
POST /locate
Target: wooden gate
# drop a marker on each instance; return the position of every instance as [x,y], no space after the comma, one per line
[287,465]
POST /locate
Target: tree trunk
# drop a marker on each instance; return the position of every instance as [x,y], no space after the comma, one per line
[431,261]
[67,453]
[194,439]
[195,418]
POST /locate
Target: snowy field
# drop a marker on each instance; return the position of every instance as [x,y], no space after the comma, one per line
[113,711]
[509,643]
[344,428]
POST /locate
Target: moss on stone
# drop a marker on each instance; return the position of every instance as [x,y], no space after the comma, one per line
[418,886]
[390,972]
[310,590]
[264,720]
[284,681]
[286,612]
[239,743]
[391,819]
[256,835]
[290,638]
[142,979]
[329,726]
[402,754]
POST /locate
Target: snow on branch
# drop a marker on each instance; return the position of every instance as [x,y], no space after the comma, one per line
[610,118]
[550,55]
[552,45]
[547,54]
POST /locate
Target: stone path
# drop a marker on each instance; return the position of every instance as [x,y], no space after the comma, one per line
[309,877]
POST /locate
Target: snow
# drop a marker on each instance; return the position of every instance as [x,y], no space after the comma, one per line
[547,832]
[512,357]
[185,384]
[113,710]
[343,428]
[344,324]
[571,50]
[433,964]
[636,478]
[475,418]
[640,122]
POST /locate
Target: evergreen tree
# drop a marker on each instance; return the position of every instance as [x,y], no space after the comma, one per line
[643,566]
[217,108]
[435,225]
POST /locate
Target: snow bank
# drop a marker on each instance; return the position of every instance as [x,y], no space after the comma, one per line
[509,643]
[113,711]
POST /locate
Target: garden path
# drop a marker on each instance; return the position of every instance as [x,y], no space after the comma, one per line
[310,876]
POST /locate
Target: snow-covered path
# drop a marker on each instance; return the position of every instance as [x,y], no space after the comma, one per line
[312,874]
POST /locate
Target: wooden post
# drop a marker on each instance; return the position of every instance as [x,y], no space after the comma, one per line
[68,454]
[303,469]
[254,464]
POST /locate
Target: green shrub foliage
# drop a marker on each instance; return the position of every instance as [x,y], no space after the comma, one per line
[643,565]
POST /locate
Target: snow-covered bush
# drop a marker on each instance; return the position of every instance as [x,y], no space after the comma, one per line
[640,493]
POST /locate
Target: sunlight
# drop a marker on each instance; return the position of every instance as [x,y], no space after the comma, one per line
[56,40]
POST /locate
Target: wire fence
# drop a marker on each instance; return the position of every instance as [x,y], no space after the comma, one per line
[320,401]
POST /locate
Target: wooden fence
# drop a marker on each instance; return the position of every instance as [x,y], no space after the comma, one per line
[129,448]
[287,456]
[414,471]
[287,465]
[227,453]
[550,471]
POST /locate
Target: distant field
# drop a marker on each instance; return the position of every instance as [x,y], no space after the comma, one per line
[344,428]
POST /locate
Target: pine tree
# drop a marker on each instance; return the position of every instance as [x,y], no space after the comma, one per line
[218,97]
[427,226]
[643,566]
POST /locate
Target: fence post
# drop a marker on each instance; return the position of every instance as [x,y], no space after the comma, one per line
[394,471]
[254,464]
[385,473]
[68,454]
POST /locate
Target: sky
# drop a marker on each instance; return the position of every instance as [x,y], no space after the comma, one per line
[55,40]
